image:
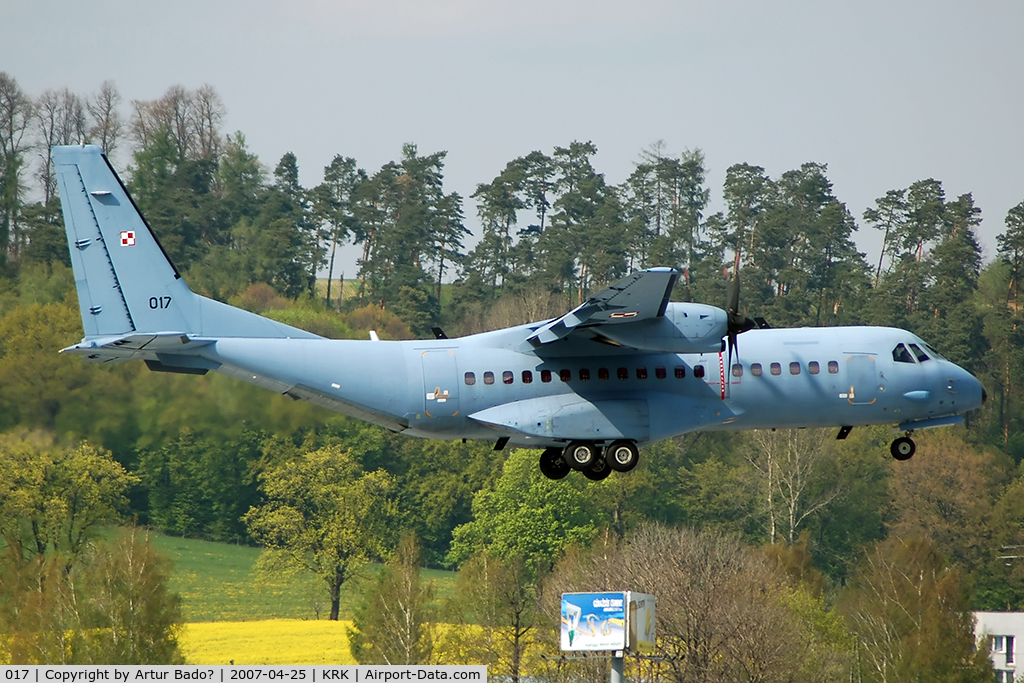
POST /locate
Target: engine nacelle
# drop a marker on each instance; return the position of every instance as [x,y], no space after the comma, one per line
[685,328]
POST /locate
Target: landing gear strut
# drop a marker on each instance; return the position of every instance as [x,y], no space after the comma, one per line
[903,448]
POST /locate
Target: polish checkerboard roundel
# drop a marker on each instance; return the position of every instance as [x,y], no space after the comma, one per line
[127,238]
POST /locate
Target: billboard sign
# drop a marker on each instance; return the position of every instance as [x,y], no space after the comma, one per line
[593,621]
[621,620]
[640,621]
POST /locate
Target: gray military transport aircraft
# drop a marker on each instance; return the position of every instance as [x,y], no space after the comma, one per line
[625,368]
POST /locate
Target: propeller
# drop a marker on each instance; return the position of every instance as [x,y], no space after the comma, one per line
[738,323]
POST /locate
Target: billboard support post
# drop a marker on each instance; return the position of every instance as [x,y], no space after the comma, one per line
[617,666]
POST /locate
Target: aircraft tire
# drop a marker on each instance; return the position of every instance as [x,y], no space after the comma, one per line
[580,455]
[599,471]
[903,448]
[622,456]
[553,465]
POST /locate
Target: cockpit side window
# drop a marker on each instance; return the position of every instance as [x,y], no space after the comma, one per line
[921,355]
[901,355]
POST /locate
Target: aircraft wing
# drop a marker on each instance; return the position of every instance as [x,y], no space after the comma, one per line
[641,296]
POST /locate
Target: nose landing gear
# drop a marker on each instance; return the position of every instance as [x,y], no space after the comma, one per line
[903,448]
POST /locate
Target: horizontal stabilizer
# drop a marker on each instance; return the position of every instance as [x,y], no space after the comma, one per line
[129,346]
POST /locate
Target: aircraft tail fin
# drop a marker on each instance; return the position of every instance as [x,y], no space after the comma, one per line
[126,283]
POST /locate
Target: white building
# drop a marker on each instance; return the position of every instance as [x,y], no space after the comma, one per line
[1006,629]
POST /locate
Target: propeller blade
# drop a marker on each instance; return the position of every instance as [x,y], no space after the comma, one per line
[732,304]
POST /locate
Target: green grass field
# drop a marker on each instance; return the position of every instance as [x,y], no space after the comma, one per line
[217,582]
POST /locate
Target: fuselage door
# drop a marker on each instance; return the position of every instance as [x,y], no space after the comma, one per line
[440,384]
[864,379]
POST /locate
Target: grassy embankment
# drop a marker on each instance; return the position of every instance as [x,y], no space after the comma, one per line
[231,618]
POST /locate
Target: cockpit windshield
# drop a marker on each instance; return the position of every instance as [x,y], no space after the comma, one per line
[931,350]
[900,354]
[907,353]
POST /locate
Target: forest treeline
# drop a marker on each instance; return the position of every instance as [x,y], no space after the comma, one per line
[821,523]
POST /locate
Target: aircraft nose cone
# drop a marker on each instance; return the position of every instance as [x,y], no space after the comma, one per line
[976,391]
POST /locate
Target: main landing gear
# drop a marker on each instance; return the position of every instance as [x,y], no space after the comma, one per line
[903,448]
[587,457]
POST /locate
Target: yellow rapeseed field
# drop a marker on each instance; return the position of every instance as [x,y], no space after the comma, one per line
[274,641]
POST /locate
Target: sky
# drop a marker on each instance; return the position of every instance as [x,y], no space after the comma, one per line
[884,92]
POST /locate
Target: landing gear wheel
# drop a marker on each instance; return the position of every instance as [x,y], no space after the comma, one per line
[598,471]
[622,456]
[580,455]
[553,465]
[903,448]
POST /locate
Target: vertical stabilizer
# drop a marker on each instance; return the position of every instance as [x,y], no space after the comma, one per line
[126,284]
[125,281]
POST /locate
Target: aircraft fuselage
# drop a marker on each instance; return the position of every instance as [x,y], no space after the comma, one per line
[485,386]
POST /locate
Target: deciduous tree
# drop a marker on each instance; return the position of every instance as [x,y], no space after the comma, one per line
[323,515]
[392,624]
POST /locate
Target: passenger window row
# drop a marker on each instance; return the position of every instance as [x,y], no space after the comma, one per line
[679,371]
[795,368]
[565,375]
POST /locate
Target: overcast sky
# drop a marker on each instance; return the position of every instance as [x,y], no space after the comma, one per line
[885,93]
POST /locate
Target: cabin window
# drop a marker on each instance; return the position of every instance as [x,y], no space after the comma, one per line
[545,375]
[794,368]
[737,370]
[602,374]
[470,379]
[584,375]
[488,377]
[565,375]
[776,369]
[527,377]
[698,371]
[641,373]
[901,355]
[660,373]
[833,367]
[755,369]
[622,373]
[680,372]
[921,355]
[507,377]
[813,367]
